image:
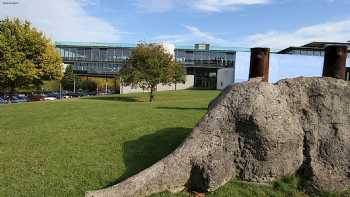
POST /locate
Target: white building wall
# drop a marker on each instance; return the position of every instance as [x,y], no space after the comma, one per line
[180,86]
[225,77]
[169,48]
[282,66]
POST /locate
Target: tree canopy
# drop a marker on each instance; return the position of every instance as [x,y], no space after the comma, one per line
[177,74]
[69,78]
[148,66]
[27,57]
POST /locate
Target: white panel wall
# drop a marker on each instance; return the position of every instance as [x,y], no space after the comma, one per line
[282,66]
[289,66]
[225,77]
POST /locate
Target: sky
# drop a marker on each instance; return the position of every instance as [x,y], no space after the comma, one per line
[241,23]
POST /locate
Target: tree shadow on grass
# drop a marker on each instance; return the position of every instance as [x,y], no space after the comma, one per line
[116,98]
[147,150]
[185,108]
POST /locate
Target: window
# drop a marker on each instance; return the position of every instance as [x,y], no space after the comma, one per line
[103,54]
[118,53]
[80,53]
[110,54]
[95,54]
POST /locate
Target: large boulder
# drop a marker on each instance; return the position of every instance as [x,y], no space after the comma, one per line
[259,132]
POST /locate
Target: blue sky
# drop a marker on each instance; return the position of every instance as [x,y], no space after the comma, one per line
[244,23]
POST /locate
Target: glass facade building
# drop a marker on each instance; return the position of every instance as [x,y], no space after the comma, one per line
[316,49]
[93,60]
[204,63]
[311,49]
[105,59]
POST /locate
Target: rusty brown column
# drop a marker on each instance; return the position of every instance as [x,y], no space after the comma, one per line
[335,61]
[259,63]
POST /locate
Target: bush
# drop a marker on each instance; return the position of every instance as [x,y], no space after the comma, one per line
[88,85]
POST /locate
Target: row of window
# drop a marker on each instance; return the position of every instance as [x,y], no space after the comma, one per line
[206,63]
[204,55]
[307,52]
[94,54]
[113,54]
[101,68]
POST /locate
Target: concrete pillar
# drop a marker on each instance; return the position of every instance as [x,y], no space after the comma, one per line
[335,61]
[259,63]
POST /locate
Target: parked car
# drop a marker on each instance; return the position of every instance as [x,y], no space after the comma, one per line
[92,93]
[52,96]
[2,101]
[19,99]
[72,94]
[37,98]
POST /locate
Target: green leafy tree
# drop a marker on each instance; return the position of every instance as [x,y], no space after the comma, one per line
[148,66]
[88,85]
[27,57]
[178,74]
[68,79]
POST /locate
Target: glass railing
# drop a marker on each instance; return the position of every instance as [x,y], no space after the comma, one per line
[108,59]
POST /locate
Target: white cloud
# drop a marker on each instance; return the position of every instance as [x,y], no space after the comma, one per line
[193,35]
[221,5]
[201,5]
[207,37]
[156,5]
[331,31]
[62,20]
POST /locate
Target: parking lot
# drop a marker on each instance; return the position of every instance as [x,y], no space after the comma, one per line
[50,96]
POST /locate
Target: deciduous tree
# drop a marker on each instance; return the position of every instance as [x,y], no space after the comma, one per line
[148,66]
[178,74]
[27,57]
[69,79]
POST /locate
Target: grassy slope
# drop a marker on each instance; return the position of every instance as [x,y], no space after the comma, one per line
[65,148]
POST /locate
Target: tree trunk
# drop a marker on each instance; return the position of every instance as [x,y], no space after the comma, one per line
[151,94]
[11,93]
[175,86]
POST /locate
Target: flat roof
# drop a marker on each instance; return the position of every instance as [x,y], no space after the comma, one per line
[324,44]
[128,45]
[314,46]
[94,44]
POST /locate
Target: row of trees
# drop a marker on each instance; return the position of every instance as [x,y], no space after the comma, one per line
[69,80]
[27,58]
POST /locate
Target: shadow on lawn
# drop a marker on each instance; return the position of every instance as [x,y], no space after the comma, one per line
[116,98]
[147,150]
[185,108]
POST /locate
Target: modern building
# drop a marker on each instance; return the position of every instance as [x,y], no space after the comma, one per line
[204,62]
[212,67]
[312,49]
[316,49]
[105,59]
[94,59]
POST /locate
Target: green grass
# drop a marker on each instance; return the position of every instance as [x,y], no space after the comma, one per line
[64,148]
[242,189]
[285,187]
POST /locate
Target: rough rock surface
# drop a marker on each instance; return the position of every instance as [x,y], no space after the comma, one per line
[258,132]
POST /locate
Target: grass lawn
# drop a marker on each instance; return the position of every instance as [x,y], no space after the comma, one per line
[64,148]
